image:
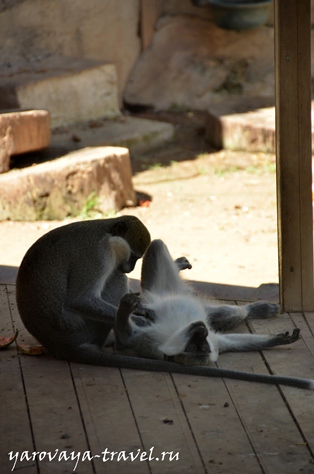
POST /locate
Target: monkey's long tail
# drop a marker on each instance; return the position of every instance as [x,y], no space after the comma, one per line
[152,365]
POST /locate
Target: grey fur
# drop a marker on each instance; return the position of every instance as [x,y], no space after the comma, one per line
[70,285]
[185,328]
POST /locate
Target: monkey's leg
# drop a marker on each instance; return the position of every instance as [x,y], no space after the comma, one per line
[254,342]
[226,317]
[159,272]
[261,310]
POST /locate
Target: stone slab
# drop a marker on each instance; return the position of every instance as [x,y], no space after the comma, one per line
[71,89]
[137,134]
[252,131]
[22,131]
[62,187]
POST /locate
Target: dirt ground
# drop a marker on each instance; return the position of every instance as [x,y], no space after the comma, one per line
[218,208]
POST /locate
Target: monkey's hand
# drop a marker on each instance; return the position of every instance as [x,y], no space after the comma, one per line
[139,308]
[287,338]
[130,303]
[134,306]
[183,263]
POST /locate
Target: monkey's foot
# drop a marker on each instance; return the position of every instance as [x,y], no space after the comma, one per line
[183,263]
[262,310]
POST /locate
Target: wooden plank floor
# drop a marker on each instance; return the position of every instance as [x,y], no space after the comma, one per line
[169,423]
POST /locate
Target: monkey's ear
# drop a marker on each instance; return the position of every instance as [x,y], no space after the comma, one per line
[119,229]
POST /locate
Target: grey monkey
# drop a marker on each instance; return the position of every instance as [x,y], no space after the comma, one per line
[169,322]
[72,281]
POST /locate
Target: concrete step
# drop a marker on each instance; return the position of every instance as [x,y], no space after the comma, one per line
[79,164]
[66,186]
[22,131]
[72,90]
[252,131]
[137,134]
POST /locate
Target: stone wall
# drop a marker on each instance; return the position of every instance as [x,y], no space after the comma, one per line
[193,64]
[105,30]
[32,31]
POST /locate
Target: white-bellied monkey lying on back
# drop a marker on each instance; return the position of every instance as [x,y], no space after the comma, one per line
[168,322]
[72,281]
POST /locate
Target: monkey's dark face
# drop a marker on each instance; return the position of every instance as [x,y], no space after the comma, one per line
[127,266]
[134,232]
[136,235]
[197,349]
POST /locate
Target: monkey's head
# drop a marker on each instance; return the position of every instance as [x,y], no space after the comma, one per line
[137,236]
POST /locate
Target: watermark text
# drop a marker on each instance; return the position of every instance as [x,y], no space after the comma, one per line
[77,456]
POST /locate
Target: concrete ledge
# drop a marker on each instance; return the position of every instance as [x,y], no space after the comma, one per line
[57,189]
[252,131]
[137,134]
[22,131]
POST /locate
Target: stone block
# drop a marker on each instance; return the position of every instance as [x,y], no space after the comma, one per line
[60,188]
[22,131]
[72,90]
[250,131]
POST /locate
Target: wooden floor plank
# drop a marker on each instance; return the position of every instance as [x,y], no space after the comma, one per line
[270,427]
[294,360]
[301,363]
[162,423]
[53,408]
[302,403]
[16,435]
[216,426]
[109,420]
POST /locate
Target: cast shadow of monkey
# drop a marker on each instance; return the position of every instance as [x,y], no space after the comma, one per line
[221,291]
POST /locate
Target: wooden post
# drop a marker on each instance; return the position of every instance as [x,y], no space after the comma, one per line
[294,153]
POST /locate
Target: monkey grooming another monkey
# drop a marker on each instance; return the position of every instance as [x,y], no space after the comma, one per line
[72,290]
[71,281]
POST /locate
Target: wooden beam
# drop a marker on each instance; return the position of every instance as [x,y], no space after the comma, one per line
[294,153]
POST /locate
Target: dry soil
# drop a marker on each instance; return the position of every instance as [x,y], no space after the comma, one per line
[218,208]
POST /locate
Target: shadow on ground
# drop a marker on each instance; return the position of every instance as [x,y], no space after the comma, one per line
[267,291]
[219,291]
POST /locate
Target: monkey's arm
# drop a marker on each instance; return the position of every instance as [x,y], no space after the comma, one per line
[122,326]
[254,342]
[95,291]
[91,307]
